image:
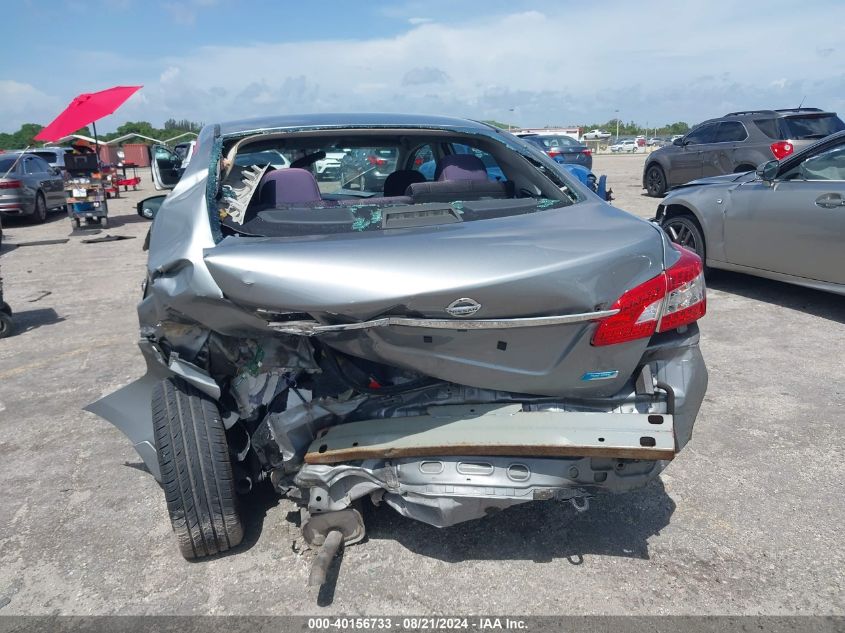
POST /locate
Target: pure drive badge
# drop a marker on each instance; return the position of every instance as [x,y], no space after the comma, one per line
[600,375]
[463,307]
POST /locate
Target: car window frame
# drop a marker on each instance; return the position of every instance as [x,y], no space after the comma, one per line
[712,124]
[797,168]
[731,123]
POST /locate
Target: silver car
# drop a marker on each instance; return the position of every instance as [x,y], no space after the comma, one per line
[785,221]
[447,347]
[29,186]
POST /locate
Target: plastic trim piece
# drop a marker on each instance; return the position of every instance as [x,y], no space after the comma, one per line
[312,328]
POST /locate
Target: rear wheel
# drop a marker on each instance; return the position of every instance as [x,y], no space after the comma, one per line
[196,470]
[655,181]
[40,214]
[684,230]
[6,325]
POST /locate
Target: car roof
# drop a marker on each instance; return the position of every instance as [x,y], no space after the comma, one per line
[352,120]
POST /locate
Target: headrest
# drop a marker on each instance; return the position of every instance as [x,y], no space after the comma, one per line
[397,182]
[460,167]
[289,186]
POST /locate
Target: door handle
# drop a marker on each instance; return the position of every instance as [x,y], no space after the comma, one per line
[830,201]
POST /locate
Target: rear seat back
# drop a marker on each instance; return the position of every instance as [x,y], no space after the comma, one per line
[450,190]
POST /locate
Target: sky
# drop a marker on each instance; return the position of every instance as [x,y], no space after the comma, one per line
[547,62]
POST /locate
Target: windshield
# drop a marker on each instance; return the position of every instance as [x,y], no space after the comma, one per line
[808,127]
[50,157]
[273,158]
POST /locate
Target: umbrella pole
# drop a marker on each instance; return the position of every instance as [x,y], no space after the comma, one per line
[96,143]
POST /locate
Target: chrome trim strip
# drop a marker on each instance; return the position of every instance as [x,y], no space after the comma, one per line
[311,328]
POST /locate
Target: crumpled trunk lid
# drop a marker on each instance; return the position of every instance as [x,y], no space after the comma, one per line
[574,260]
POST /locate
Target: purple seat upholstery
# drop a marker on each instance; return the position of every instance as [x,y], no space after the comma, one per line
[289,186]
[460,167]
[398,182]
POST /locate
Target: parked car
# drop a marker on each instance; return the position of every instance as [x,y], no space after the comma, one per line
[629,145]
[596,135]
[185,151]
[29,186]
[450,352]
[736,143]
[563,149]
[328,168]
[366,168]
[54,156]
[785,221]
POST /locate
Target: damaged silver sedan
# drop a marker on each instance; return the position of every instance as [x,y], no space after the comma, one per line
[447,347]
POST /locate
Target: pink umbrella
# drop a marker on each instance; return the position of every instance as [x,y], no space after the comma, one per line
[85,109]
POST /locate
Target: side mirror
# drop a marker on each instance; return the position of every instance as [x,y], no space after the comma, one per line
[679,142]
[148,207]
[768,171]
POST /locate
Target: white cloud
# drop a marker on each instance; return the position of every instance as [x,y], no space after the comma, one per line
[23,103]
[565,64]
[170,74]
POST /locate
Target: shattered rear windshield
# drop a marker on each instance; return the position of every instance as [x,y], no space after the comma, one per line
[299,186]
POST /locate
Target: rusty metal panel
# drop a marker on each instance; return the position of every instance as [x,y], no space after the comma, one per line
[499,430]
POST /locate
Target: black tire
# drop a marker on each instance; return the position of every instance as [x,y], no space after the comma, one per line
[7,326]
[77,223]
[655,181]
[39,215]
[741,169]
[684,230]
[196,471]
[5,308]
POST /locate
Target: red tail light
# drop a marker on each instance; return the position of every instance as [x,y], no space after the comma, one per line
[553,152]
[10,184]
[587,151]
[376,161]
[781,149]
[668,301]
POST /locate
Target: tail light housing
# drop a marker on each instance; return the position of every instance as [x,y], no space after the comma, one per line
[554,151]
[10,184]
[376,161]
[674,298]
[587,151]
[781,149]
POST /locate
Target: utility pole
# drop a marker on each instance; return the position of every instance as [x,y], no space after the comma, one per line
[617,125]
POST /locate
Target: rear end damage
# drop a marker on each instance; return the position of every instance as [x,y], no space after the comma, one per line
[448,371]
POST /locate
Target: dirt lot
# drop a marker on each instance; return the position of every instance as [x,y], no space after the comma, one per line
[747,520]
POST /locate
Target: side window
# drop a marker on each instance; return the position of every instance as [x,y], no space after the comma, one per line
[731,132]
[829,165]
[494,172]
[31,166]
[422,160]
[769,127]
[703,134]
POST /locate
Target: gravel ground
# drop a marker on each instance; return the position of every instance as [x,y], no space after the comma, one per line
[747,520]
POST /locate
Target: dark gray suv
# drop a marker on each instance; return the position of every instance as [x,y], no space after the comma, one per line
[735,143]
